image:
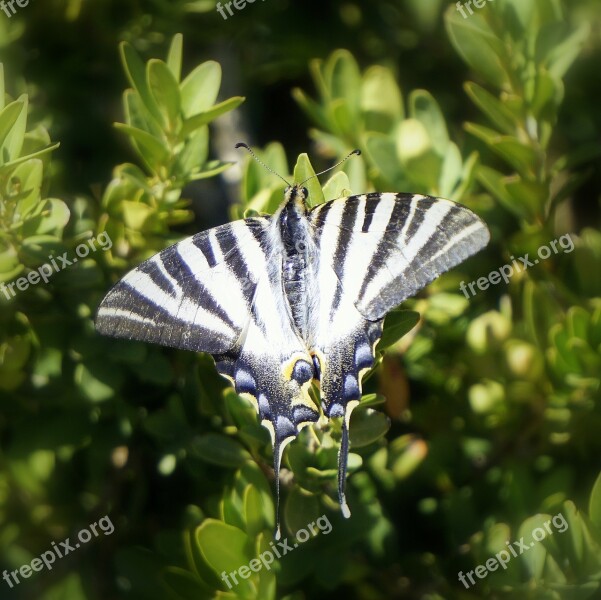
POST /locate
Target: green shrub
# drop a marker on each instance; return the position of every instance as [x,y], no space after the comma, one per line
[478,425]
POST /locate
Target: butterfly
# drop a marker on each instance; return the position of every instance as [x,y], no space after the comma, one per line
[292,298]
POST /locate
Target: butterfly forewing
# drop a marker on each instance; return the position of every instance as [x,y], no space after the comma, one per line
[390,245]
[194,295]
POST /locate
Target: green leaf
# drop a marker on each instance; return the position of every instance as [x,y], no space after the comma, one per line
[219,450]
[194,154]
[397,324]
[211,169]
[518,15]
[594,507]
[312,109]
[495,183]
[531,196]
[336,186]
[200,88]
[267,585]
[452,171]
[303,170]
[136,73]
[381,100]
[36,249]
[425,109]
[520,156]
[224,548]
[468,176]
[6,168]
[344,80]
[382,153]
[253,511]
[98,380]
[541,312]
[477,44]
[562,53]
[420,160]
[154,153]
[548,94]
[367,426]
[52,219]
[137,116]
[370,400]
[2,91]
[341,118]
[29,175]
[200,119]
[534,558]
[136,214]
[8,119]
[10,266]
[164,89]
[174,57]
[493,108]
[302,508]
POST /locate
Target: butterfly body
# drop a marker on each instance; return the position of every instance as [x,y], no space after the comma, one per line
[298,254]
[282,300]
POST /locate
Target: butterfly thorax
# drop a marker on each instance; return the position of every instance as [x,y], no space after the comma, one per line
[294,233]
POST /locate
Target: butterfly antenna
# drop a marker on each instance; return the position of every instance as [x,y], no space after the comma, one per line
[243,145]
[356,151]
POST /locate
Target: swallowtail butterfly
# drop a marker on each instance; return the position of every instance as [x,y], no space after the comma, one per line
[294,297]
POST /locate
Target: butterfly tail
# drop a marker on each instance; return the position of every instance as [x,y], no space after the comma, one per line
[277,459]
[342,465]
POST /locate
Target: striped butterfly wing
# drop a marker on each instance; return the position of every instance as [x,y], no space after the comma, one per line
[376,250]
[221,292]
[195,295]
[389,246]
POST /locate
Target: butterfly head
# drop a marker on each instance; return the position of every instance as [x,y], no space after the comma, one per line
[296,196]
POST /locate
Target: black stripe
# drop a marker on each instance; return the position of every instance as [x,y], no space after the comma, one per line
[347,225]
[153,271]
[322,213]
[441,238]
[180,270]
[398,216]
[232,254]
[203,243]
[423,205]
[371,204]
[257,227]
